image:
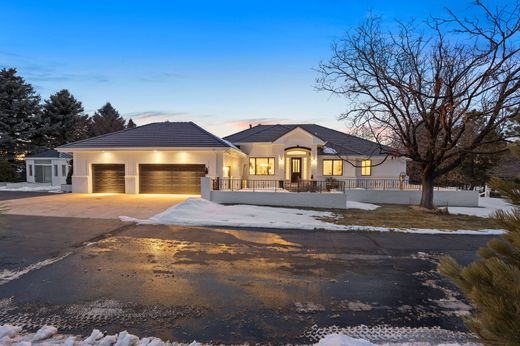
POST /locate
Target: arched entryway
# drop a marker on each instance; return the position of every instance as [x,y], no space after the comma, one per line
[297,163]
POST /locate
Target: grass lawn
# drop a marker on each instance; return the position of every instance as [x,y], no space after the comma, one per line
[400,216]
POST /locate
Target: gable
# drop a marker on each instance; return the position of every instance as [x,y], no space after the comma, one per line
[298,137]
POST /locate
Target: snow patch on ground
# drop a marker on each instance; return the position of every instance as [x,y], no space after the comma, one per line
[30,187]
[9,275]
[361,205]
[384,335]
[201,212]
[487,207]
[48,335]
[331,336]
[342,340]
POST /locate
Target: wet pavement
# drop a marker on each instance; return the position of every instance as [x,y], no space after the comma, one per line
[231,285]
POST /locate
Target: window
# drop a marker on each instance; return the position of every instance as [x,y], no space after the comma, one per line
[261,166]
[30,170]
[366,167]
[227,171]
[55,170]
[64,170]
[333,167]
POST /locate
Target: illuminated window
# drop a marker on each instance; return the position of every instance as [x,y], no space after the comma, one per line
[333,167]
[366,167]
[297,152]
[261,166]
[227,171]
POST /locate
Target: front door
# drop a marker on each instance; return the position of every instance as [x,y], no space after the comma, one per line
[296,169]
[43,174]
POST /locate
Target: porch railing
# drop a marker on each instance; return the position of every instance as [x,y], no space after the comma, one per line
[320,186]
[227,184]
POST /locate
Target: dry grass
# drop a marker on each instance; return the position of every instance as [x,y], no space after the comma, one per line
[400,216]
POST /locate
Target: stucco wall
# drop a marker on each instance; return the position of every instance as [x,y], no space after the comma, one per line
[56,180]
[336,200]
[83,160]
[283,199]
[441,198]
[391,168]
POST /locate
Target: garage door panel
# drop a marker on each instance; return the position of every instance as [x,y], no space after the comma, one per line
[108,178]
[171,178]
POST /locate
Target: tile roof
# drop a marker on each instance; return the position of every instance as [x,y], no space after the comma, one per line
[342,143]
[154,135]
[50,153]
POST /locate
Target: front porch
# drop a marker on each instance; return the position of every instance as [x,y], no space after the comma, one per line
[328,194]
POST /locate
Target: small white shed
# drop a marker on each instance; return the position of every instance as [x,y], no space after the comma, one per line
[49,166]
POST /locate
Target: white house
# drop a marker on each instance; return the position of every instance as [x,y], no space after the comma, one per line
[313,152]
[49,166]
[171,157]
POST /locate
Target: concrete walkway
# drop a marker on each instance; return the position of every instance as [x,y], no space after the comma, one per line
[99,206]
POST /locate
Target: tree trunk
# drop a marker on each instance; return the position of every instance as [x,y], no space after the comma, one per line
[427,191]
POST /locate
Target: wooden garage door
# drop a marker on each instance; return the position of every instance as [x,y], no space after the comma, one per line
[108,178]
[183,179]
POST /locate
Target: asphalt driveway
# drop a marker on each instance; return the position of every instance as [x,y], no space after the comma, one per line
[235,286]
[99,206]
[27,240]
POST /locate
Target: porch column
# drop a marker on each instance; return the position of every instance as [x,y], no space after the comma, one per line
[314,162]
[219,164]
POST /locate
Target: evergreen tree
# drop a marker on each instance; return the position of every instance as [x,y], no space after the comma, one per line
[492,282]
[130,124]
[63,120]
[106,120]
[7,171]
[19,112]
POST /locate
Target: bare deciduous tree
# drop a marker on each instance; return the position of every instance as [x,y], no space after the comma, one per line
[429,88]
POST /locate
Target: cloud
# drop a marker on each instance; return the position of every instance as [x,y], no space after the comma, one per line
[36,70]
[146,117]
[244,123]
[158,77]
[9,54]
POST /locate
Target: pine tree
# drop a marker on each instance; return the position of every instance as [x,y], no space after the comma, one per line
[492,282]
[106,120]
[130,124]
[19,112]
[63,120]
[7,172]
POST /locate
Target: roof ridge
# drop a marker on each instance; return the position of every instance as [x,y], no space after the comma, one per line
[211,134]
[244,130]
[266,127]
[348,134]
[106,134]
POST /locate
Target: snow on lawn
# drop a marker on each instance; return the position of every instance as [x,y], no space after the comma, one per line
[487,207]
[201,212]
[361,205]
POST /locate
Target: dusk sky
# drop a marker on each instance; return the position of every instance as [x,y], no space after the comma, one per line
[221,64]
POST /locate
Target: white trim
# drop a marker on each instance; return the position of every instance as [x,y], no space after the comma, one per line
[72,150]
